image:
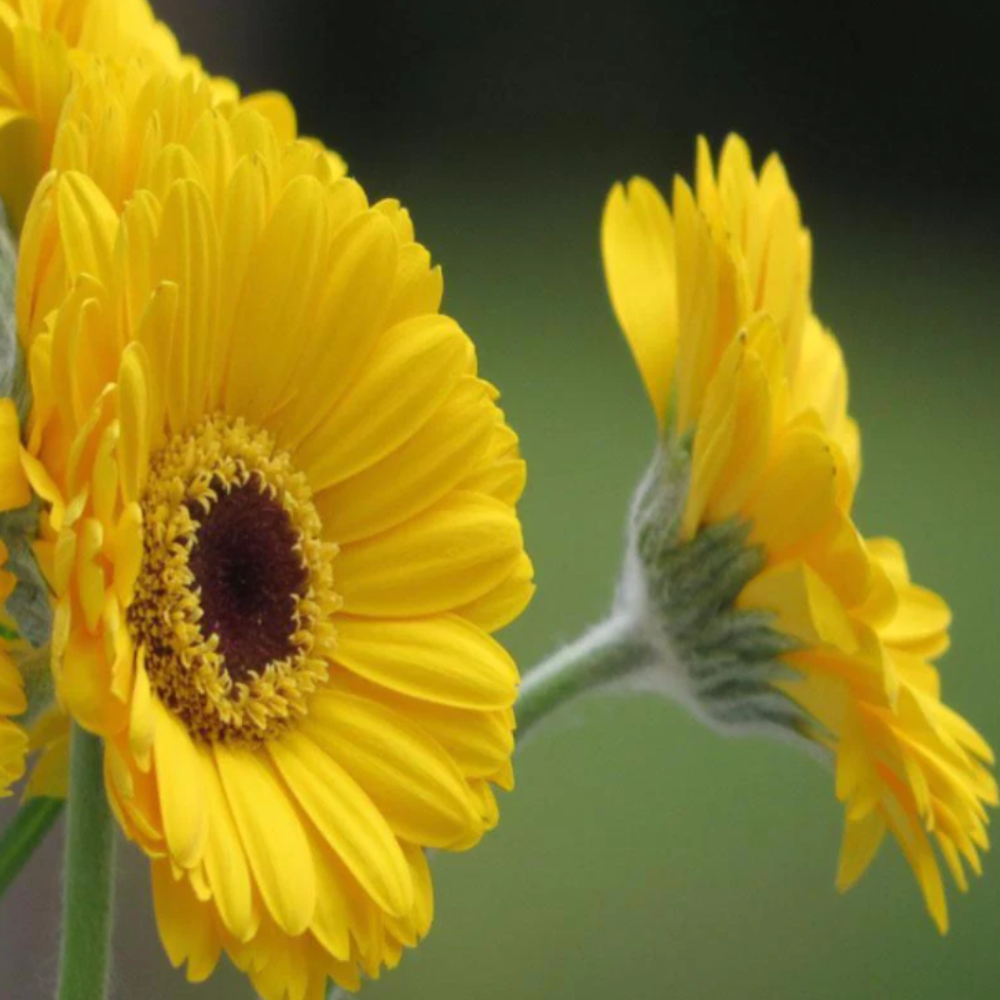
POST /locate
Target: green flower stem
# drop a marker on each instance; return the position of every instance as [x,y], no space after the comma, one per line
[607,654]
[23,834]
[89,876]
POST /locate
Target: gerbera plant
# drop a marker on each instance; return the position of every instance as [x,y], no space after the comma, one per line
[758,601]
[277,520]
[258,522]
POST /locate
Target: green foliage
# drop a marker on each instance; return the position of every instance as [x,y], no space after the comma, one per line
[23,834]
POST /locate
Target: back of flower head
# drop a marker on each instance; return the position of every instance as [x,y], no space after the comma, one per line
[748,593]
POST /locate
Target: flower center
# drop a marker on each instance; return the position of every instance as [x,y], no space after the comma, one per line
[249,575]
[235,593]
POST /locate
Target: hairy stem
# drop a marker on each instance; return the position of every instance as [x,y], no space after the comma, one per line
[606,654]
[89,876]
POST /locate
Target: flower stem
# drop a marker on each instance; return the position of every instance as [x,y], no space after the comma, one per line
[89,876]
[23,834]
[608,653]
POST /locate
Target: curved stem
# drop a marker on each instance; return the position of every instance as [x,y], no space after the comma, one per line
[607,653]
[89,876]
[23,834]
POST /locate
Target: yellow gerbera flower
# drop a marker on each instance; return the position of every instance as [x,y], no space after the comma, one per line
[279,521]
[13,739]
[751,395]
[41,41]
[48,46]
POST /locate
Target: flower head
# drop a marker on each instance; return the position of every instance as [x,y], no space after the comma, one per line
[48,48]
[782,614]
[279,521]
[42,46]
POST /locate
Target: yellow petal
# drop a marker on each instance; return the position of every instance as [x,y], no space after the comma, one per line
[127,547]
[277,109]
[445,660]
[134,417]
[500,472]
[185,925]
[89,226]
[156,332]
[860,843]
[83,685]
[838,553]
[348,326]
[271,830]
[803,605]
[280,293]
[479,742]
[346,817]
[416,475]
[411,779]
[410,929]
[90,578]
[797,493]
[142,714]
[14,489]
[12,698]
[187,256]
[180,782]
[921,614]
[505,602]
[444,558]
[44,485]
[713,440]
[418,287]
[135,800]
[749,442]
[637,244]
[244,214]
[41,283]
[226,865]
[411,373]
[711,302]
[332,921]
[211,146]
[135,252]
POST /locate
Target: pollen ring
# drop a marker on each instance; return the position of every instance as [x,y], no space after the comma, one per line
[235,595]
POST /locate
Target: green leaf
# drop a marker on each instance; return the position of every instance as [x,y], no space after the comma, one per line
[23,834]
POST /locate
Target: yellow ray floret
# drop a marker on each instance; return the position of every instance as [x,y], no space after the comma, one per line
[279,519]
[713,296]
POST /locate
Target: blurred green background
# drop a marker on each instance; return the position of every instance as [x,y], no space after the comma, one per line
[641,855]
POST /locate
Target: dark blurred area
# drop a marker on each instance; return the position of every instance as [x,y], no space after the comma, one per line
[875,105]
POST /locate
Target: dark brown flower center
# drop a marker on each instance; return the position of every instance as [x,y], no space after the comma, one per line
[249,570]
